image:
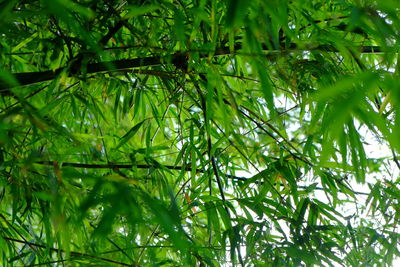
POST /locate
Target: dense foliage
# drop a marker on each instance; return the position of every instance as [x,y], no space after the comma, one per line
[199,133]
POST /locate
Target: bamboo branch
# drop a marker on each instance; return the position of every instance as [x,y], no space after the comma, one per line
[169,167]
[26,78]
[129,166]
[73,253]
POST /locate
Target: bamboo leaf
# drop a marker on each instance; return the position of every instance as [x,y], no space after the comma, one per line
[126,137]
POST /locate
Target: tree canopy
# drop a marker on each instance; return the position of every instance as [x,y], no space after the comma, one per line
[199,133]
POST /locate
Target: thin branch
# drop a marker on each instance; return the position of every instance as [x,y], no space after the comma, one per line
[141,253]
[34,93]
[26,78]
[323,20]
[111,32]
[163,246]
[305,160]
[145,166]
[74,253]
[395,159]
[129,166]
[50,262]
[18,233]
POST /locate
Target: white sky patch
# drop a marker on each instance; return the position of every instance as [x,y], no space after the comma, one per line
[355,209]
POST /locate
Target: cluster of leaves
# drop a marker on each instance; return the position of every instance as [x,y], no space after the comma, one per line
[198,133]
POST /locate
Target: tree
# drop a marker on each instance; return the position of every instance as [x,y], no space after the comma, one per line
[199,133]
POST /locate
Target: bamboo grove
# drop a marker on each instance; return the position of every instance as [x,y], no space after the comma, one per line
[199,133]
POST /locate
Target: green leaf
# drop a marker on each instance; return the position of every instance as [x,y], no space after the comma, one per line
[134,11]
[237,10]
[124,139]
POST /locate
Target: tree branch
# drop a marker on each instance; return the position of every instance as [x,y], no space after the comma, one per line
[26,78]
[74,253]
[170,167]
[129,166]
